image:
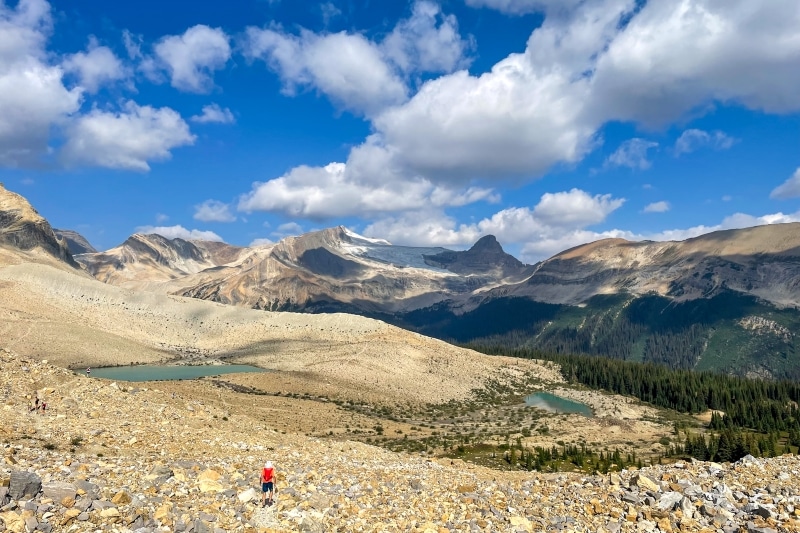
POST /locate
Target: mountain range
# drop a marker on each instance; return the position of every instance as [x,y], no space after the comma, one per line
[725,301]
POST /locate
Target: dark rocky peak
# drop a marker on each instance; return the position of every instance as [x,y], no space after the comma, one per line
[77,243]
[486,244]
[484,256]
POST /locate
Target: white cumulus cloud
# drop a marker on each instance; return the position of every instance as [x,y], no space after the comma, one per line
[428,41]
[674,57]
[179,232]
[192,58]
[348,68]
[657,207]
[213,211]
[127,139]
[789,188]
[334,191]
[214,114]
[33,98]
[604,60]
[97,66]
[356,73]
[575,208]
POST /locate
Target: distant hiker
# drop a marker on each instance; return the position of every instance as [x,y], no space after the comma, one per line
[88,371]
[267,483]
[44,407]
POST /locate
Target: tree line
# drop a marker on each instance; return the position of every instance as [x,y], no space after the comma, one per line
[741,406]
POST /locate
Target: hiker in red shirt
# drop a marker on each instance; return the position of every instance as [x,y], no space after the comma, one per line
[267,483]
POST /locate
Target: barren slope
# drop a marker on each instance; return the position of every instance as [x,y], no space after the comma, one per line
[763,261]
[50,314]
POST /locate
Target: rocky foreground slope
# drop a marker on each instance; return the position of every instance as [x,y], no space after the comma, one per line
[115,457]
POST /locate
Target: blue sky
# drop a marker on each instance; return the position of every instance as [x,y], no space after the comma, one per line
[548,123]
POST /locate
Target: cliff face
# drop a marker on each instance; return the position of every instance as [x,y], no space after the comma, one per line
[23,228]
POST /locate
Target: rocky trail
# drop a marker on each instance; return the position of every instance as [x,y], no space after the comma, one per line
[116,457]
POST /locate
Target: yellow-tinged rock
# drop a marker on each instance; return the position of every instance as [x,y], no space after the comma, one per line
[13,522]
[72,513]
[464,489]
[644,482]
[521,521]
[163,512]
[209,475]
[664,525]
[121,498]
[211,486]
[111,512]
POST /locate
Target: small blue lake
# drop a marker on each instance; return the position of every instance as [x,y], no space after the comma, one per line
[167,373]
[557,404]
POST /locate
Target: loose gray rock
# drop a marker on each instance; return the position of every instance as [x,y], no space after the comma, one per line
[24,484]
[669,500]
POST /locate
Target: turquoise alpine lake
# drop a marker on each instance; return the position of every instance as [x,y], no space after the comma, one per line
[167,372]
[556,404]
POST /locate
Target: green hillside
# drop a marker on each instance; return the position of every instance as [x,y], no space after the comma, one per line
[730,333]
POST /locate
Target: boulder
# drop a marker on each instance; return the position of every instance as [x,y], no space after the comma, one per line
[645,483]
[24,484]
[14,523]
[668,501]
[209,475]
[91,490]
[210,486]
[59,491]
[248,495]
[121,498]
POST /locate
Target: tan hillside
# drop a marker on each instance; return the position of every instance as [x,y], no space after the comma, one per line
[761,261]
[74,321]
[23,229]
